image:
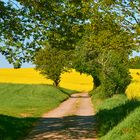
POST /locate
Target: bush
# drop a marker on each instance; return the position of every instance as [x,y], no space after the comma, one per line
[134,63]
[114,75]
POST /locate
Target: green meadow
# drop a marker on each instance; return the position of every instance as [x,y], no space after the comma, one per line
[22,105]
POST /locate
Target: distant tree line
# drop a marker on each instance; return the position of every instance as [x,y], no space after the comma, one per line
[135,62]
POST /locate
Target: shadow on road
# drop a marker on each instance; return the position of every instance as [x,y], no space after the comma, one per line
[70,127]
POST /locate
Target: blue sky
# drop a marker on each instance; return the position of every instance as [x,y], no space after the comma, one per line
[4,63]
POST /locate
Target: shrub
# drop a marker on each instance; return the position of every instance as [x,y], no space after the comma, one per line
[114,75]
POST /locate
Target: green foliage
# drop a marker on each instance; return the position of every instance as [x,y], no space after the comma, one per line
[117,117]
[51,62]
[16,32]
[114,75]
[97,94]
[36,22]
[135,62]
[104,51]
[22,105]
[84,61]
[127,11]
[97,97]
[85,30]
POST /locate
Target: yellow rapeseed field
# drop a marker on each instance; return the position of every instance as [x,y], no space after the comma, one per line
[72,80]
[133,89]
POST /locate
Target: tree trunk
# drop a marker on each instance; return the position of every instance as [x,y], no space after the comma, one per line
[56,83]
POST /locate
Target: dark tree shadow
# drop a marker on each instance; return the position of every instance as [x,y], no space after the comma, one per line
[70,127]
[12,128]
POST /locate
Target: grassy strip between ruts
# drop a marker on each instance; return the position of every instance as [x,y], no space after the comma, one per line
[22,105]
[117,118]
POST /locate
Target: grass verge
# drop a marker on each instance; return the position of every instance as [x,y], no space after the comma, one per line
[22,105]
[117,117]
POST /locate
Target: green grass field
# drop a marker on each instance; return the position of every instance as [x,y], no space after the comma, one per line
[22,105]
[118,117]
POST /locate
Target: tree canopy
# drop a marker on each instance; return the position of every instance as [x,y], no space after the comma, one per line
[94,33]
[51,62]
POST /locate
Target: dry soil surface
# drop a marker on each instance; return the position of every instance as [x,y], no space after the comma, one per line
[73,120]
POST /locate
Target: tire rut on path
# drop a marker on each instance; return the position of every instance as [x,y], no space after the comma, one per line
[73,120]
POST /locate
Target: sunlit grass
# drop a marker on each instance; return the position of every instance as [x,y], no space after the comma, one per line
[71,80]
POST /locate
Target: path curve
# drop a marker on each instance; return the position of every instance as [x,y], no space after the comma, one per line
[73,120]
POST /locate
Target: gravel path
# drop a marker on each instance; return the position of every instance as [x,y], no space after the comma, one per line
[72,120]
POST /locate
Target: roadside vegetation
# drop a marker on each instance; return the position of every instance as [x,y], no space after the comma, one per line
[22,105]
[117,117]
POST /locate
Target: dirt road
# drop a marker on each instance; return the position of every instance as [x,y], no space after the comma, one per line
[72,120]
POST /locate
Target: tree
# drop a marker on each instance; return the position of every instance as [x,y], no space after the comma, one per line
[90,29]
[32,21]
[36,22]
[104,50]
[17,33]
[114,74]
[128,15]
[84,61]
[51,63]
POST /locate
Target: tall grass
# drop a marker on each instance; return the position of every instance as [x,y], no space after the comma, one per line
[117,117]
[127,129]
